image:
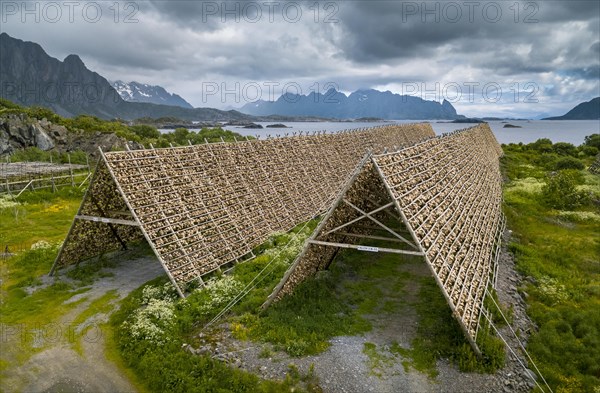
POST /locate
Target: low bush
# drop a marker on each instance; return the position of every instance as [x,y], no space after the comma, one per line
[560,191]
[568,163]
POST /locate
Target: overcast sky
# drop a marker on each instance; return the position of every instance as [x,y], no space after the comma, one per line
[489,58]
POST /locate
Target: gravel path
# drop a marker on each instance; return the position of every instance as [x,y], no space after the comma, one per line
[59,367]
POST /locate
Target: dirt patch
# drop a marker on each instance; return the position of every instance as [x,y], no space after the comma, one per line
[72,357]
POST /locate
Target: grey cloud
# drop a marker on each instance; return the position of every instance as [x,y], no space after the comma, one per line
[373,43]
[381,30]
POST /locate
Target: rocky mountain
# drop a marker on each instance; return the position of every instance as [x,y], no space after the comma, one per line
[29,76]
[360,104]
[589,110]
[141,92]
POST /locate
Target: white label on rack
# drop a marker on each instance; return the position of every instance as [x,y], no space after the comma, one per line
[367,248]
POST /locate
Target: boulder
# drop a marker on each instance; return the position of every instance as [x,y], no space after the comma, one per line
[41,139]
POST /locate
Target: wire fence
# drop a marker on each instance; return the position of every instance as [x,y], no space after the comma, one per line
[17,177]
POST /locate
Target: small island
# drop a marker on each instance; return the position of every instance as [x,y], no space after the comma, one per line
[508,125]
[468,120]
[277,125]
[253,126]
[242,124]
[368,119]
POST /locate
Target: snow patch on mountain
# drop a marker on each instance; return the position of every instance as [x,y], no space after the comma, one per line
[142,92]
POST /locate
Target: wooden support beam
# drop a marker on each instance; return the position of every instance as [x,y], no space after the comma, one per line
[108,220]
[365,248]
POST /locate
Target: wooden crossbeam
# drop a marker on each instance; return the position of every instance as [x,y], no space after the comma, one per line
[108,220]
[365,248]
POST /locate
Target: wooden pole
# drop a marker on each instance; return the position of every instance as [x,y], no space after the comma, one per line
[52,174]
[71,170]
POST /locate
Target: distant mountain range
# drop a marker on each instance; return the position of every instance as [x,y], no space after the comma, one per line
[29,76]
[141,92]
[585,111]
[360,104]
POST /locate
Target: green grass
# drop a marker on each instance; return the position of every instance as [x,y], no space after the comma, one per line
[378,360]
[26,305]
[104,305]
[302,324]
[560,253]
[40,215]
[440,337]
[333,303]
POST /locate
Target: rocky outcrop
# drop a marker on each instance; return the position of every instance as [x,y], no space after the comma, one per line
[18,131]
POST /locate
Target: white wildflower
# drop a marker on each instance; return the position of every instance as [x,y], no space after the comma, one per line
[553,290]
[579,216]
[529,185]
[41,245]
[163,292]
[153,322]
[221,292]
[7,201]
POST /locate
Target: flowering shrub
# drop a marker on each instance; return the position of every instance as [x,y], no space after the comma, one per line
[164,292]
[290,247]
[220,292]
[41,245]
[155,320]
[560,191]
[7,201]
[552,290]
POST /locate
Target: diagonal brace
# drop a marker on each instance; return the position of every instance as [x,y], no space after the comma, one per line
[364,215]
[368,215]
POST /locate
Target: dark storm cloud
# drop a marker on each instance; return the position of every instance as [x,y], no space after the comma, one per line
[198,15]
[380,30]
[214,14]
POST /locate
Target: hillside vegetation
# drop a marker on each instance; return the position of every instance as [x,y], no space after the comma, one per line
[553,208]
